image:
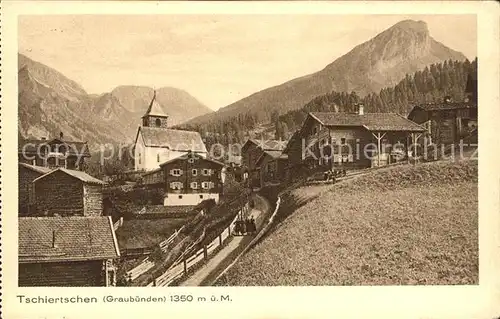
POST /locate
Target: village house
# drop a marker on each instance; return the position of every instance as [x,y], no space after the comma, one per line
[53,153]
[272,167]
[330,140]
[67,251]
[26,192]
[64,192]
[449,122]
[251,151]
[188,179]
[155,143]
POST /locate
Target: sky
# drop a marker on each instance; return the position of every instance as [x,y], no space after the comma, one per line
[219,59]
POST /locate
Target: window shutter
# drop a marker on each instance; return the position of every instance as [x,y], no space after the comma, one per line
[350,158]
[180,172]
[211,185]
[171,173]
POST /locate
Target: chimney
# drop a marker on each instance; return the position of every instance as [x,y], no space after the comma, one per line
[54,239]
[61,135]
[361,109]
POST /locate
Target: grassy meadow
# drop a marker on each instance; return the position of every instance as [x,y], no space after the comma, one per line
[406,225]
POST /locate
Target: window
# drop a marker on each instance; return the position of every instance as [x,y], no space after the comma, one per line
[205,185]
[139,158]
[180,196]
[342,141]
[158,122]
[194,171]
[201,196]
[191,160]
[194,185]
[158,158]
[176,172]
[176,185]
[207,172]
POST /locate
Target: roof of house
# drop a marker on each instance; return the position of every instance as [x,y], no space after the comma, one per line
[446,106]
[191,155]
[370,121]
[84,177]
[293,138]
[32,146]
[273,154]
[53,239]
[161,209]
[266,145]
[38,169]
[177,140]
[154,108]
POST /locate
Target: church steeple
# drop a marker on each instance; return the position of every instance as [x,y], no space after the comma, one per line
[154,116]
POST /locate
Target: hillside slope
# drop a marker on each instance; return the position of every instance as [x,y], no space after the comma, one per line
[380,62]
[396,226]
[49,103]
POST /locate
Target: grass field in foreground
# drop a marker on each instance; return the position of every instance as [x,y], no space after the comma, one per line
[397,226]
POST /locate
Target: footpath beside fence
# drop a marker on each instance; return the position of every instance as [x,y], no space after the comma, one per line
[182,266]
[254,241]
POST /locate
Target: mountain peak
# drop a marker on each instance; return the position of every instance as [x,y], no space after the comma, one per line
[411,25]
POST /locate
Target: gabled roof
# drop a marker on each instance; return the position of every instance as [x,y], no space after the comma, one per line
[32,146]
[38,169]
[266,145]
[177,140]
[293,138]
[194,156]
[155,108]
[273,154]
[75,239]
[84,177]
[370,121]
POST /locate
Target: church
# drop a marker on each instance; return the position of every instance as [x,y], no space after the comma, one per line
[155,143]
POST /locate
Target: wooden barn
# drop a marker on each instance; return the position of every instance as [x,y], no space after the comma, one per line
[251,151]
[64,192]
[53,153]
[272,167]
[26,192]
[330,140]
[188,179]
[67,251]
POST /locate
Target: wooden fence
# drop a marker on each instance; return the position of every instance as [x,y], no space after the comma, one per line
[147,264]
[183,264]
[118,224]
[262,232]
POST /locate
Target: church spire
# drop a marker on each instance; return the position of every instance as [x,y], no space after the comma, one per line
[154,116]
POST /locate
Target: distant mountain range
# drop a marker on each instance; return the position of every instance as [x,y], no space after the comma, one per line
[380,62]
[50,103]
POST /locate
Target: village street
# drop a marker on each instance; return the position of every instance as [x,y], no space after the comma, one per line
[260,212]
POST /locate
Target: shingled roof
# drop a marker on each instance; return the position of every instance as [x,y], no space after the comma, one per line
[370,121]
[32,146]
[54,239]
[38,169]
[194,156]
[84,177]
[267,145]
[273,155]
[155,108]
[177,140]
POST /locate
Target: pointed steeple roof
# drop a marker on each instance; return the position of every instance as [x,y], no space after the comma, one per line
[154,108]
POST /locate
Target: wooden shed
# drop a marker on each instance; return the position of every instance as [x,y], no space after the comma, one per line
[272,167]
[26,195]
[67,251]
[65,192]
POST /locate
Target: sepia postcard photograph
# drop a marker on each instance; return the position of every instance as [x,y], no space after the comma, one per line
[219,150]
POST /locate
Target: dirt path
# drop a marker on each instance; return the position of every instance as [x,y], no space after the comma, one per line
[259,212]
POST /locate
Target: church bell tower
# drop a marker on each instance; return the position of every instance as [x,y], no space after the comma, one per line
[155,116]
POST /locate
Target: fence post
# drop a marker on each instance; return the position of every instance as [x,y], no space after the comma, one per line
[220,239]
[185,266]
[205,252]
[229,230]
[154,282]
